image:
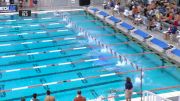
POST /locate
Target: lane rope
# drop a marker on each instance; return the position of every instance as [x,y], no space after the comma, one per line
[64,63]
[85,78]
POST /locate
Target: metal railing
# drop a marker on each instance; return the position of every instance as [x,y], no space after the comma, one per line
[149,96]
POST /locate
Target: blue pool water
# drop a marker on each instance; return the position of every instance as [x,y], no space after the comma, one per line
[37,50]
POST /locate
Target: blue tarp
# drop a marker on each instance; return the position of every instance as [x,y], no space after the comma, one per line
[103,13]
[127,26]
[115,20]
[176,52]
[160,43]
[141,33]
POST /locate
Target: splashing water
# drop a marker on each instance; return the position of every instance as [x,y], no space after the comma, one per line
[100,98]
[110,97]
[80,34]
[104,50]
[119,63]
[90,40]
[69,25]
[64,19]
[138,80]
[57,14]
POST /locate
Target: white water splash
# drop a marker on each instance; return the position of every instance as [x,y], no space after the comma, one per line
[100,98]
[119,63]
[104,50]
[138,80]
[110,97]
[56,14]
[90,40]
[64,19]
[69,25]
[80,34]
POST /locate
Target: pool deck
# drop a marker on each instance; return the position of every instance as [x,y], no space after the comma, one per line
[142,27]
[164,95]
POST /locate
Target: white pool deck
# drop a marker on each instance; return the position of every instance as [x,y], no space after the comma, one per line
[164,95]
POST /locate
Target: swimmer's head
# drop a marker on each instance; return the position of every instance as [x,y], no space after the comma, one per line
[128,79]
[48,92]
[79,92]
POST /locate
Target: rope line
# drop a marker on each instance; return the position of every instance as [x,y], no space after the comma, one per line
[99,43]
[53,51]
[56,51]
[85,78]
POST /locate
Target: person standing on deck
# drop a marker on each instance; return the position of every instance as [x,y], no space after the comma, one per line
[79,97]
[48,97]
[128,89]
[34,97]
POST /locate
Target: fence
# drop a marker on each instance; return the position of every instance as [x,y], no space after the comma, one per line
[149,96]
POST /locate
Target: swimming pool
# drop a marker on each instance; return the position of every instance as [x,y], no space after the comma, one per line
[43,52]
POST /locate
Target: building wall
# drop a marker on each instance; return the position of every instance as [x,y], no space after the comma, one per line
[63,4]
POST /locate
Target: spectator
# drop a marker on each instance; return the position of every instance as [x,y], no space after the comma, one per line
[176,21]
[48,97]
[121,8]
[135,11]
[34,97]
[151,24]
[111,4]
[158,25]
[105,4]
[79,97]
[158,15]
[173,34]
[168,17]
[35,2]
[116,8]
[20,4]
[137,19]
[128,89]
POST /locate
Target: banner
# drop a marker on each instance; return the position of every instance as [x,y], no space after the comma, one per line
[8,8]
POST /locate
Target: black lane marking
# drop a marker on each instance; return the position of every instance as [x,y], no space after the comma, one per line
[79,74]
[24,61]
[62,52]
[2,94]
[55,73]
[1,75]
[43,81]
[72,64]
[38,70]
[94,93]
[71,89]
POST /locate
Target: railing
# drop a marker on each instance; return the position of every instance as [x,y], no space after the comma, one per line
[149,96]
